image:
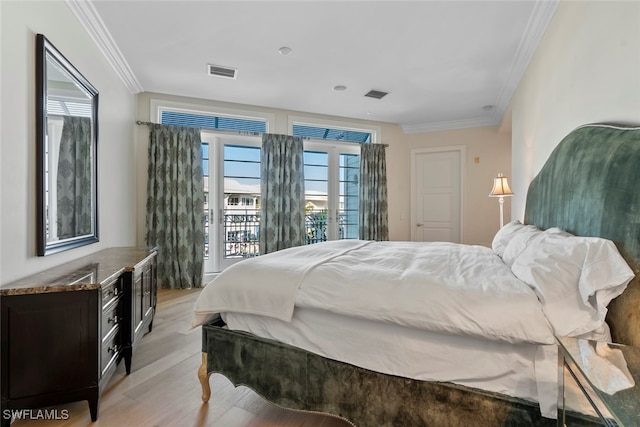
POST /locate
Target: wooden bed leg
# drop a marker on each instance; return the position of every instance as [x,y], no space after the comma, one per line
[203,376]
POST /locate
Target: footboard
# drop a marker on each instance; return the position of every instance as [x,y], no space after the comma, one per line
[297,379]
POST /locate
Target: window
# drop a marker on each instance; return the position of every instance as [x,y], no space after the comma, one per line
[65,106]
[316,188]
[240,218]
[211,121]
[329,134]
[205,183]
[348,194]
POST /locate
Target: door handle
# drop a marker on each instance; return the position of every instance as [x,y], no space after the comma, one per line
[419,225]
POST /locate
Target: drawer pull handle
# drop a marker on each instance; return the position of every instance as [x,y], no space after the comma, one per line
[113,319]
[112,292]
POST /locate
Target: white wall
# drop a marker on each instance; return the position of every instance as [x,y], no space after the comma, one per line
[20,22]
[586,70]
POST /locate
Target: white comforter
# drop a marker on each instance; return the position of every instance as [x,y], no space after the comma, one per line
[440,287]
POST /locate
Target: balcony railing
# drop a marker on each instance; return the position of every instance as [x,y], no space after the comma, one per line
[315,224]
[242,230]
[241,233]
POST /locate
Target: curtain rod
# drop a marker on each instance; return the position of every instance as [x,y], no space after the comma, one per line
[239,132]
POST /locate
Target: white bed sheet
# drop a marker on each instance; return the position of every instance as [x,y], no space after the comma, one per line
[437,286]
[520,370]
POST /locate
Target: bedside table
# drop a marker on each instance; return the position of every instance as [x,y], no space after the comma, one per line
[606,375]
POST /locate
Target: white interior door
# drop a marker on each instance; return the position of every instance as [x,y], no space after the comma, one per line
[437,194]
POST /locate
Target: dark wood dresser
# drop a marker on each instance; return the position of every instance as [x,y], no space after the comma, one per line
[64,330]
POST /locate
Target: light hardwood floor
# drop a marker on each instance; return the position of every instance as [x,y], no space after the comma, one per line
[163,388]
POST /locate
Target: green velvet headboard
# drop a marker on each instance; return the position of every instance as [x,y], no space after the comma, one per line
[590,186]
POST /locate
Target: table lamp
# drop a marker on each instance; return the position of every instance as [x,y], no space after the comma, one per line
[501,190]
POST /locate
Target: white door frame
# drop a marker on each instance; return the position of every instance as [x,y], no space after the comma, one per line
[463,164]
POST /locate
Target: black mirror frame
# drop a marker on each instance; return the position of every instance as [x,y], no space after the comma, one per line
[44,47]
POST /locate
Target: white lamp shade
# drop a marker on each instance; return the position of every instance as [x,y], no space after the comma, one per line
[500,187]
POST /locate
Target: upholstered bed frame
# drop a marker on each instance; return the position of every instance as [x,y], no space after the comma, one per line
[590,186]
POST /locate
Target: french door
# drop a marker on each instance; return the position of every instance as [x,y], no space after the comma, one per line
[331,186]
[232,195]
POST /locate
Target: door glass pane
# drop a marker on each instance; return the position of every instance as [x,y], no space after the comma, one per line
[348,196]
[241,212]
[205,185]
[316,185]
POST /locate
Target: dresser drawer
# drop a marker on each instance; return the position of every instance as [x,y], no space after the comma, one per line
[110,350]
[111,291]
[111,318]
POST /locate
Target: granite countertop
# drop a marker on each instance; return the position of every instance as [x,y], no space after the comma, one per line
[86,273]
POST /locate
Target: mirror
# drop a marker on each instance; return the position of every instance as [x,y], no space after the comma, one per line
[67,135]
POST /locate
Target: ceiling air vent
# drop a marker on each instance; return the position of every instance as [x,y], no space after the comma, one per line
[377,94]
[226,72]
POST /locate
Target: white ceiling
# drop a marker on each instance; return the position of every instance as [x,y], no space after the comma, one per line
[440,61]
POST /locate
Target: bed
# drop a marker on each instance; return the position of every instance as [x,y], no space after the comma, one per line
[478,351]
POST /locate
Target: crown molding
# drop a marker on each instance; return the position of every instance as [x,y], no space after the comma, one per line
[93,24]
[539,20]
[450,125]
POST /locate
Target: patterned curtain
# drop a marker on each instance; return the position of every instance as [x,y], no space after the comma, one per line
[282,193]
[73,181]
[374,222]
[175,204]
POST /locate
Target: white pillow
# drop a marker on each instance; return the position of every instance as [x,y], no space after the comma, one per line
[519,242]
[504,236]
[575,278]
